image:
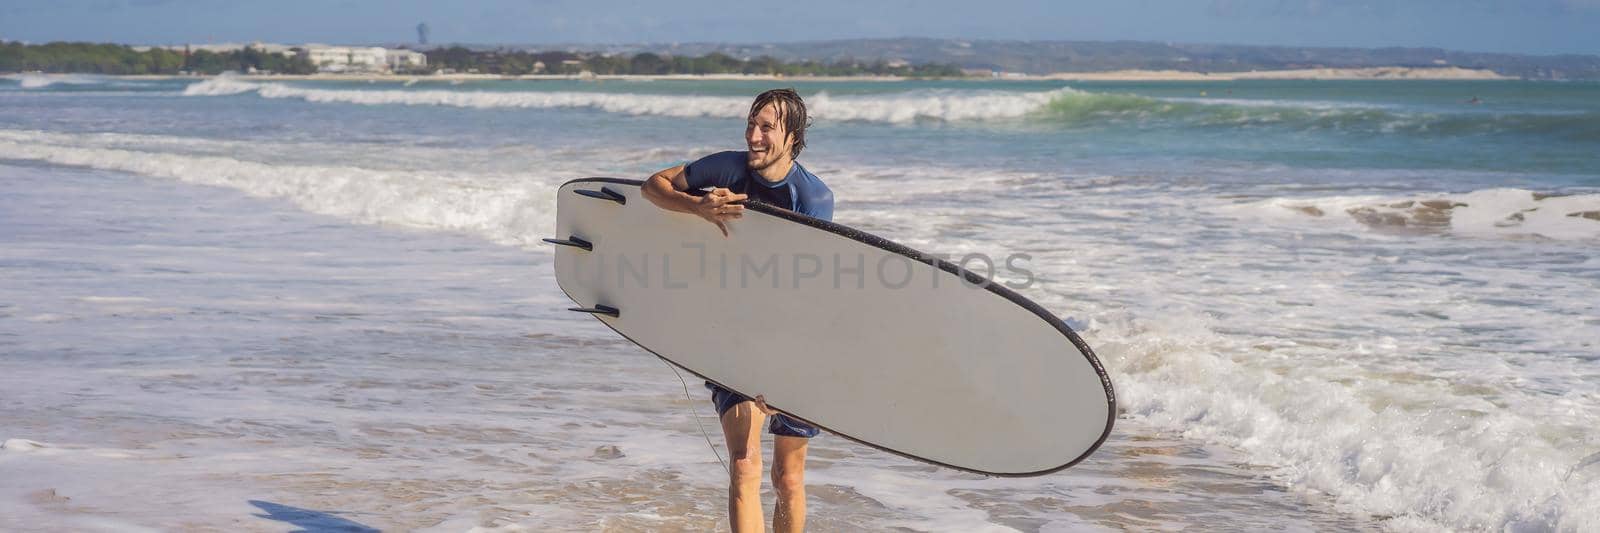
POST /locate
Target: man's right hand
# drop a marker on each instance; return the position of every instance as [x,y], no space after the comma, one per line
[668,190]
[719,206]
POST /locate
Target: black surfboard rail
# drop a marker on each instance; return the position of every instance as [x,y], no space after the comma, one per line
[915,255]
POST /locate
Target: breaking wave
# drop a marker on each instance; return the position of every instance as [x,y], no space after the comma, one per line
[903,108]
[1064,107]
[73,82]
[508,209]
[40,81]
[1414,454]
[1097,108]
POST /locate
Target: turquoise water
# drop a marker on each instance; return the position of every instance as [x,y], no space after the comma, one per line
[1324,304]
[1423,125]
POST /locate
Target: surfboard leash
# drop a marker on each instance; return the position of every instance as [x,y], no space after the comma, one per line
[696,413]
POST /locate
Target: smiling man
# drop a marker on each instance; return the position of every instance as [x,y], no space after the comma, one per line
[713,188]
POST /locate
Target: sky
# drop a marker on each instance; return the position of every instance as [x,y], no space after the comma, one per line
[1513,26]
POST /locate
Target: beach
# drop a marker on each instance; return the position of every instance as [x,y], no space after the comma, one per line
[256,303]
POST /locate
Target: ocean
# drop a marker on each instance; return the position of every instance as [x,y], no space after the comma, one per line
[237,304]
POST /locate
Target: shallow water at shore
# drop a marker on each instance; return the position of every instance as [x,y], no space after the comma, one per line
[180,353]
[1325,305]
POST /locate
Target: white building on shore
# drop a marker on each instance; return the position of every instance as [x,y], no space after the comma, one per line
[346,58]
[362,58]
[407,60]
[325,57]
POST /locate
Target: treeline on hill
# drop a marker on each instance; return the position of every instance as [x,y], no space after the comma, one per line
[1044,57]
[515,63]
[121,59]
[63,57]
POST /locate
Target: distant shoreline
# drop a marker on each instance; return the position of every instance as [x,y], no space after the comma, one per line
[1369,73]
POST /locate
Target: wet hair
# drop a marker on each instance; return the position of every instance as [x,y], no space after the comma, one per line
[791,112]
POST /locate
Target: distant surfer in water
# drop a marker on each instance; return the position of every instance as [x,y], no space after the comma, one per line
[714,188]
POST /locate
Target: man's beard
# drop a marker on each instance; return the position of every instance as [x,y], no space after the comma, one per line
[759,165]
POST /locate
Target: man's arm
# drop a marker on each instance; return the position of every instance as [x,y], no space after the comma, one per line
[668,190]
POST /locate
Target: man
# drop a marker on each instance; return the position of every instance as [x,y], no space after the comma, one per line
[775,132]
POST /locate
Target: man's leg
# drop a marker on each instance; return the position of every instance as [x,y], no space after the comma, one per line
[789,480]
[741,426]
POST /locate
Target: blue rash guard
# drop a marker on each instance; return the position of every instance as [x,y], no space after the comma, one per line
[799,191]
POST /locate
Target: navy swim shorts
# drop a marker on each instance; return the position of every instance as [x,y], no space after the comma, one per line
[725,399]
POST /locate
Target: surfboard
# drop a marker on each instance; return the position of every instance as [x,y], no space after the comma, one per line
[867,339]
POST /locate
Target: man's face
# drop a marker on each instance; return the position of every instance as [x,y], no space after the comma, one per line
[766,138]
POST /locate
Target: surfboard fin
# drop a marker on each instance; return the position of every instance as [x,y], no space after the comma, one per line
[605,193]
[574,242]
[598,310]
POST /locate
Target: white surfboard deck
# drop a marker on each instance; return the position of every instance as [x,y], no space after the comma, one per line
[890,348]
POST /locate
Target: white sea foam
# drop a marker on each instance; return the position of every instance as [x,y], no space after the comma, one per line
[1380,443]
[933,105]
[635,104]
[1486,213]
[220,86]
[1435,383]
[896,108]
[32,81]
[20,445]
[424,187]
[39,81]
[508,209]
[1320,105]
